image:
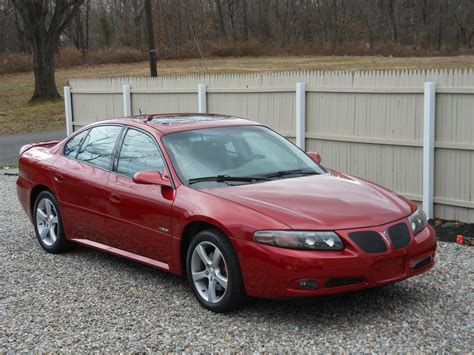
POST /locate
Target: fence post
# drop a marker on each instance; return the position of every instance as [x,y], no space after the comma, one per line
[301,115]
[428,147]
[127,106]
[202,100]
[68,109]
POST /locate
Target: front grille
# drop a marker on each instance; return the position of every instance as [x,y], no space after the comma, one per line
[369,241]
[343,281]
[422,263]
[399,235]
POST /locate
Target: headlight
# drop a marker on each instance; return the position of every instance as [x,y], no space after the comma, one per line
[300,239]
[418,220]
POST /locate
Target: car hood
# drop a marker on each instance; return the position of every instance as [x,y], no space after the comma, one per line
[328,202]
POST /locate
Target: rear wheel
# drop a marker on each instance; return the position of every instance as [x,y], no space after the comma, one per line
[214,272]
[48,224]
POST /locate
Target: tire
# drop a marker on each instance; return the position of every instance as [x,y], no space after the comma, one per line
[208,281]
[48,224]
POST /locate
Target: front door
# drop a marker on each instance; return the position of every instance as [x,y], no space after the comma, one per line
[139,216]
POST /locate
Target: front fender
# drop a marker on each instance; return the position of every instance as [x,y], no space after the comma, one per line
[236,221]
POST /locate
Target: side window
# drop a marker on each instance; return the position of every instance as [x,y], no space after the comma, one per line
[139,153]
[72,147]
[98,146]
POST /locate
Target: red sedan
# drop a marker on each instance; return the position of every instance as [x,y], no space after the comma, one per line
[228,202]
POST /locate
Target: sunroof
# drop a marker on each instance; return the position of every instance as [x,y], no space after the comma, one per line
[172,120]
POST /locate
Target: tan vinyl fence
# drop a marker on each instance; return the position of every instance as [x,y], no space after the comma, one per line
[411,131]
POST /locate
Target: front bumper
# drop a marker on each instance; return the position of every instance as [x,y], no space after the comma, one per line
[272,272]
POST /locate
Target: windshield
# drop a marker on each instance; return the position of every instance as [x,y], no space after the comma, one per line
[220,156]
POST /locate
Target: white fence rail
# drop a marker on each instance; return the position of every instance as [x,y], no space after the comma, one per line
[412,131]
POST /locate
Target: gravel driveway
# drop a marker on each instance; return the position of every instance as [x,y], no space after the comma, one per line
[87,301]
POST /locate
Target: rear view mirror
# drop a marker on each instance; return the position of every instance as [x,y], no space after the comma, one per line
[315,156]
[150,178]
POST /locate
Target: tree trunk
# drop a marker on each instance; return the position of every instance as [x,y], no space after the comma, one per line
[393,22]
[245,20]
[78,33]
[231,15]
[86,40]
[151,39]
[43,65]
[221,19]
[23,42]
[137,20]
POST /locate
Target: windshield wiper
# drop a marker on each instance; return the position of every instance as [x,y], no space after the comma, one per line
[291,172]
[224,178]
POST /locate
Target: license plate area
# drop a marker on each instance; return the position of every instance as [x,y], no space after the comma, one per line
[388,269]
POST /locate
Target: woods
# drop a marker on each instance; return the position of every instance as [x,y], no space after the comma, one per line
[116,30]
[332,26]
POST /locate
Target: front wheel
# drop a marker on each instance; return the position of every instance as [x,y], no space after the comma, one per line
[214,272]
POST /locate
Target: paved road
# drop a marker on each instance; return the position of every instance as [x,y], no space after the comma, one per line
[10,145]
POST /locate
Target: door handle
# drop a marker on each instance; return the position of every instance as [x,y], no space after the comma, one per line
[58,177]
[115,198]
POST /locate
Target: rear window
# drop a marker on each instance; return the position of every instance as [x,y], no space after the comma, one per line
[72,147]
[98,146]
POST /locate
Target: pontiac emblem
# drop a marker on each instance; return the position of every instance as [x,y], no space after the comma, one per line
[385,237]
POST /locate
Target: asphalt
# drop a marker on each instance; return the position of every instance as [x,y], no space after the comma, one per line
[10,144]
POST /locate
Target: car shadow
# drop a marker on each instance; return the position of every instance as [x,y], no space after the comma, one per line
[120,263]
[388,303]
[349,308]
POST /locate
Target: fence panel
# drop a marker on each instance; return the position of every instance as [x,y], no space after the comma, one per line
[366,123]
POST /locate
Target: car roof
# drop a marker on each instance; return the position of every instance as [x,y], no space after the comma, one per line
[178,122]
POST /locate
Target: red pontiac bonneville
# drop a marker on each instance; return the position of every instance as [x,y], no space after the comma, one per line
[230,203]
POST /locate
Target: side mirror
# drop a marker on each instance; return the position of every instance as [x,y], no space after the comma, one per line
[315,156]
[150,178]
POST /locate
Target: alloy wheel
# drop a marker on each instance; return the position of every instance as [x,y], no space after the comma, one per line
[47,222]
[209,272]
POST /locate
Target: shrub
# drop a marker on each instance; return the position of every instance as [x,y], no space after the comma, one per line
[15,63]
[70,57]
[116,55]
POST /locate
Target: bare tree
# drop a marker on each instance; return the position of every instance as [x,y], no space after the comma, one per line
[43,23]
[75,32]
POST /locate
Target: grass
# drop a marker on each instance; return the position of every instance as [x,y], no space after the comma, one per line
[9,166]
[17,115]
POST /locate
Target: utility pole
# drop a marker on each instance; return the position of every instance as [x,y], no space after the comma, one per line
[151,39]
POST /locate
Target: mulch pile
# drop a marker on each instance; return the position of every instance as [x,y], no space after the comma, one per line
[449,231]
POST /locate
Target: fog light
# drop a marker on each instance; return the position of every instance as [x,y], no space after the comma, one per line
[307,284]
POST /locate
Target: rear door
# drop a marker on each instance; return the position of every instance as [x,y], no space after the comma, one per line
[80,177]
[139,216]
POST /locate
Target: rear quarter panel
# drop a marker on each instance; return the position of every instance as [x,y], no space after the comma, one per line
[34,169]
